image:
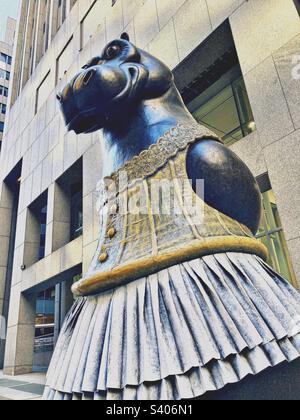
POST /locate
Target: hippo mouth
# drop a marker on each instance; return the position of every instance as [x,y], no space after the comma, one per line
[85,122]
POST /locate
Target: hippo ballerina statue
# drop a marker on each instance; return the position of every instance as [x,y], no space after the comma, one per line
[175,303]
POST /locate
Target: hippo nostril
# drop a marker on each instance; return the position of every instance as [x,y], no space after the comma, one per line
[132,71]
[87,78]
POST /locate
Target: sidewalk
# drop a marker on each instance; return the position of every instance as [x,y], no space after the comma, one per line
[23,387]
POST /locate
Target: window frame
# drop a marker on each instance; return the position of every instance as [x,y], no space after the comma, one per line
[3,91]
[3,109]
[5,58]
[4,74]
[61,13]
[265,187]
[232,80]
[44,321]
[69,187]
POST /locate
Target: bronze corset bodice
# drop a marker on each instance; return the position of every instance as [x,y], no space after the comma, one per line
[151,218]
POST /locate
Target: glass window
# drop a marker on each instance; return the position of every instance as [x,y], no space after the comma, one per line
[3,91]
[61,12]
[3,109]
[272,235]
[46,26]
[1,127]
[4,74]
[52,306]
[225,108]
[70,189]
[5,58]
[64,300]
[44,329]
[43,224]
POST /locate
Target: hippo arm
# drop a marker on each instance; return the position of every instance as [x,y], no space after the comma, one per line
[229,185]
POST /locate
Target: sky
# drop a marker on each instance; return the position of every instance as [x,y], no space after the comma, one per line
[7,8]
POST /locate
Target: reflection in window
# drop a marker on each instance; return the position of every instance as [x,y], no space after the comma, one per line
[272,235]
[225,108]
[44,329]
[52,307]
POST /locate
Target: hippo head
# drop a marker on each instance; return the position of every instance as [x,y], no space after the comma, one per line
[111,85]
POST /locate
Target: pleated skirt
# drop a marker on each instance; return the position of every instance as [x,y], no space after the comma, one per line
[178,334]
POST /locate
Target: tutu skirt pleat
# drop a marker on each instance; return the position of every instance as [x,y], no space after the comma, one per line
[178,334]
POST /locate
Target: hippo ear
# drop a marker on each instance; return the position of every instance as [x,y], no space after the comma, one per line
[125,36]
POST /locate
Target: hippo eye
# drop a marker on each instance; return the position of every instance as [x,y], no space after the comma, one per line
[112,52]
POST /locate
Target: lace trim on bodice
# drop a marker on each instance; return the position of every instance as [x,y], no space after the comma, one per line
[168,146]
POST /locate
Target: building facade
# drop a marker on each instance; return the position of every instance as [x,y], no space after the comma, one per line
[6,51]
[237,65]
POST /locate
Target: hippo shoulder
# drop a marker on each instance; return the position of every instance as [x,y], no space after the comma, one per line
[229,185]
